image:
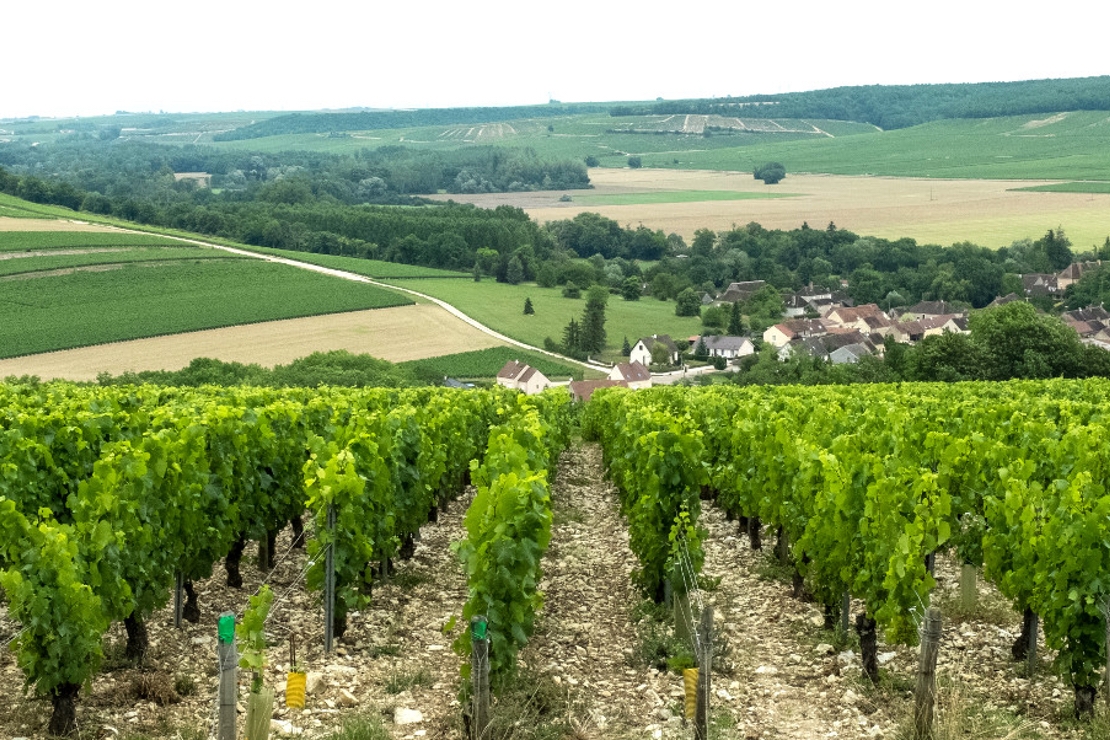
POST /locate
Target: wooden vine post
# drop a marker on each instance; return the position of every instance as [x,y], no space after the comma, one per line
[479,675]
[1031,655]
[926,692]
[683,616]
[845,613]
[968,592]
[229,676]
[178,602]
[705,666]
[329,584]
[1106,614]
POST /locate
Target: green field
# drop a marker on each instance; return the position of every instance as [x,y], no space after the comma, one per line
[78,309]
[672,196]
[29,240]
[1023,147]
[376,269]
[486,363]
[13,207]
[101,259]
[501,307]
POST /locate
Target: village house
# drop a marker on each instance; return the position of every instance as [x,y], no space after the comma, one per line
[581,390]
[824,347]
[934,325]
[728,347]
[1089,321]
[782,334]
[634,374]
[642,350]
[1073,272]
[855,317]
[521,377]
[927,309]
[741,291]
[1003,300]
[1037,284]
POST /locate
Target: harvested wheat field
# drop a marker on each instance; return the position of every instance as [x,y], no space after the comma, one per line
[931,211]
[395,334]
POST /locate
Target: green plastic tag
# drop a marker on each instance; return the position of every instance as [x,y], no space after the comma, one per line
[226,628]
[478,628]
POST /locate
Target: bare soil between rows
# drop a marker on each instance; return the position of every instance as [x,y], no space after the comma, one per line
[778,674]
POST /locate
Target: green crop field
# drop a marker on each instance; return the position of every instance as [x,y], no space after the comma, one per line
[13,207]
[376,269]
[102,258]
[1071,146]
[486,363]
[84,308]
[35,240]
[501,307]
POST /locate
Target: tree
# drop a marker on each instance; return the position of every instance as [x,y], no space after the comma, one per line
[592,338]
[770,173]
[947,357]
[626,348]
[630,288]
[570,290]
[1057,248]
[572,338]
[663,286]
[701,352]
[735,320]
[660,355]
[514,273]
[592,161]
[704,239]
[528,309]
[1017,342]
[635,162]
[866,285]
[487,260]
[714,318]
[766,304]
[688,303]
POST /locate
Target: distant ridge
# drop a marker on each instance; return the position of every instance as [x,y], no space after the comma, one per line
[328,122]
[901,106]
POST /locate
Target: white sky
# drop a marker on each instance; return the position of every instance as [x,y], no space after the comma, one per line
[70,57]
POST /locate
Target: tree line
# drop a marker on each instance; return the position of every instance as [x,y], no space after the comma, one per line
[117,168]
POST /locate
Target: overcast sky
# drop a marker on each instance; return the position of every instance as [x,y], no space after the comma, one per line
[66,58]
